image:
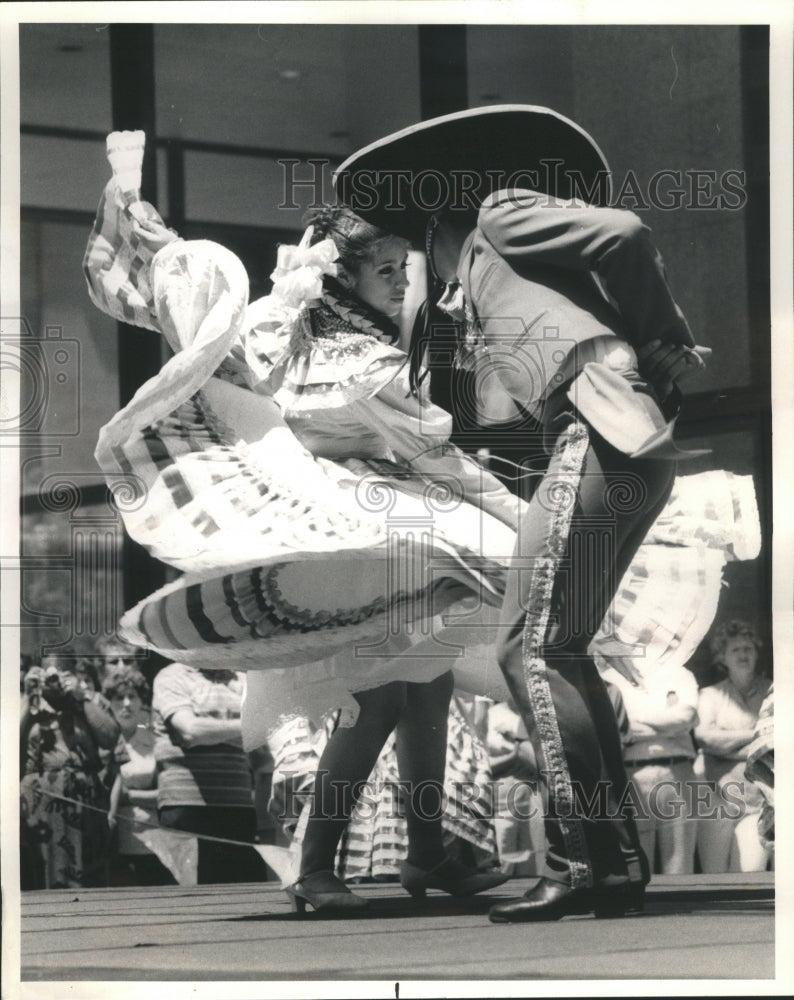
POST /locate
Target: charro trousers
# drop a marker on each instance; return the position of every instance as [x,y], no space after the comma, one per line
[585,521]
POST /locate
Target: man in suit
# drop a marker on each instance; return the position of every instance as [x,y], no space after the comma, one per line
[569,304]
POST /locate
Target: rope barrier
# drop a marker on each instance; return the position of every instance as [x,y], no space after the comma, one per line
[283,861]
[148,824]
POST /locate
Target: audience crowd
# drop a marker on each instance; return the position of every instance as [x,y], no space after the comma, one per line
[115,756]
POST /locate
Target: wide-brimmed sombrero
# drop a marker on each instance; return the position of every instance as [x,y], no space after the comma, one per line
[454,162]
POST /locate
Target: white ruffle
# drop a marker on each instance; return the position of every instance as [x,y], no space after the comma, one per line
[668,598]
[125,153]
[298,277]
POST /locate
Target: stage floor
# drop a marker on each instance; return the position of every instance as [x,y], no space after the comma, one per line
[712,927]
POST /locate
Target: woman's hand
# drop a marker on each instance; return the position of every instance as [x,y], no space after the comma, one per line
[500,746]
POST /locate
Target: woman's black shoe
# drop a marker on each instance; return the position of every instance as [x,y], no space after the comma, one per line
[449,876]
[326,894]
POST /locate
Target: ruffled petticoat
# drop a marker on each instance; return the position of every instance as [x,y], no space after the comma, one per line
[316,549]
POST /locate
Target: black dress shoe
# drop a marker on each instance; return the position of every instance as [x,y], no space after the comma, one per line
[548,900]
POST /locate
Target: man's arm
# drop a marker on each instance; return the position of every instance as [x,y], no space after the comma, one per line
[668,721]
[670,715]
[193,730]
[536,228]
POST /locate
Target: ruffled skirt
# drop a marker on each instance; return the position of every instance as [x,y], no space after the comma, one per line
[322,574]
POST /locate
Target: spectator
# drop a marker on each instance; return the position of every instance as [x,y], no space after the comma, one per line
[30,706]
[31,684]
[133,797]
[113,654]
[760,768]
[296,747]
[63,800]
[661,705]
[728,837]
[87,675]
[205,785]
[26,661]
[518,821]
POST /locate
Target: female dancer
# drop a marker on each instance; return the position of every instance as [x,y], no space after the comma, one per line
[355,502]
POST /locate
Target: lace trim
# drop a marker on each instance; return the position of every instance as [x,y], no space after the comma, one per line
[292,615]
[565,490]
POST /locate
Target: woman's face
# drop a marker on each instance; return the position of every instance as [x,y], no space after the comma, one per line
[381,281]
[126,704]
[85,680]
[740,658]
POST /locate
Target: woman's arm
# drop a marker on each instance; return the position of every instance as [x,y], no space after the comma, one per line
[714,738]
[724,742]
[26,724]
[115,800]
[419,435]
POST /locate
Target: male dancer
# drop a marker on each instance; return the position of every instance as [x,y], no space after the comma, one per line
[570,304]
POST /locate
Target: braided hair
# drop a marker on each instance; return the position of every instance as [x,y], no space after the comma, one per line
[354,238]
[428,319]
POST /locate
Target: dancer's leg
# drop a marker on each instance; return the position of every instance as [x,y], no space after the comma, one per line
[624,825]
[421,758]
[579,533]
[344,767]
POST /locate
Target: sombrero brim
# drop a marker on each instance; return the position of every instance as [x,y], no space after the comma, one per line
[454,162]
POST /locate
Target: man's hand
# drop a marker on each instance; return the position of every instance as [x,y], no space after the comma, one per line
[665,364]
